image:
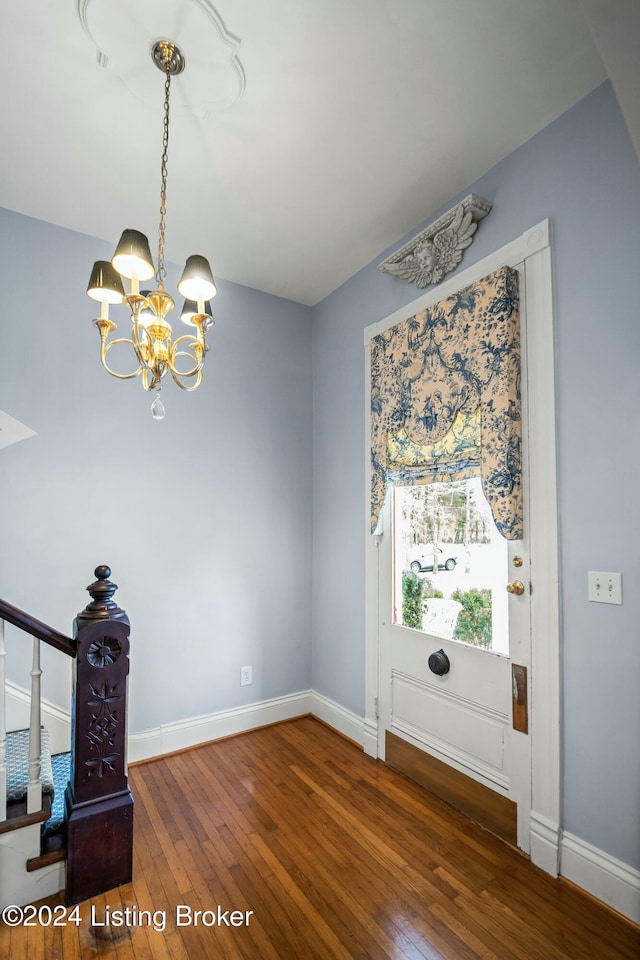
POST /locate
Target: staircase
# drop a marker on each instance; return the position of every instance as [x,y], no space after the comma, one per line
[33,849]
[66,821]
[54,776]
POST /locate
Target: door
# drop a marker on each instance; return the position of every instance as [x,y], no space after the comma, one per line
[535,756]
[454,643]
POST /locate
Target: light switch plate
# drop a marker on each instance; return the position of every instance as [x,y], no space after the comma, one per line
[605,587]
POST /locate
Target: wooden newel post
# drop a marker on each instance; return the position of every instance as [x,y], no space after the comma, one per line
[98,802]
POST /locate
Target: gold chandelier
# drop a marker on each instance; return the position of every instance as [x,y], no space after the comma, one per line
[151,335]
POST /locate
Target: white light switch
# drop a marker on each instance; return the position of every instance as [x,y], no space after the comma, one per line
[605,587]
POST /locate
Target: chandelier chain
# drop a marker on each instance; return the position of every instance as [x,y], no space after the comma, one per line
[161,271]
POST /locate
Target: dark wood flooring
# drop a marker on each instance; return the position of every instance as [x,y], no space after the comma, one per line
[332,855]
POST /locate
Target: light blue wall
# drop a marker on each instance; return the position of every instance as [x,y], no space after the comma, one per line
[203,517]
[216,574]
[581,173]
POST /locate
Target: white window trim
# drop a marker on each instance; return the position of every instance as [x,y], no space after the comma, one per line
[532,251]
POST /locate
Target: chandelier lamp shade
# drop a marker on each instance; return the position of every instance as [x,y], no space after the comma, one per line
[118,281]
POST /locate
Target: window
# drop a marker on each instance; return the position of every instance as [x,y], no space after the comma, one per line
[449,564]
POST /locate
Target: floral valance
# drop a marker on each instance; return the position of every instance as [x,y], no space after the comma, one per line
[455,457]
[445,398]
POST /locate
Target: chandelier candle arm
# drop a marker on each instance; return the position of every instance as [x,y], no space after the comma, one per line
[151,333]
[105,347]
[197,357]
[139,337]
[183,386]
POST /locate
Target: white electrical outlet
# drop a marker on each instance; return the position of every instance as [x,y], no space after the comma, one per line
[604,587]
[246,676]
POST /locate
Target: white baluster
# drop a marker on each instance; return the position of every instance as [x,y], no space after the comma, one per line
[34,791]
[3,728]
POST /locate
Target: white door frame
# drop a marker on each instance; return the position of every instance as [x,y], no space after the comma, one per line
[532,250]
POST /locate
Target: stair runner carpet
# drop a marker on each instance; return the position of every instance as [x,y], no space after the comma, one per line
[54,775]
[18,765]
[61,764]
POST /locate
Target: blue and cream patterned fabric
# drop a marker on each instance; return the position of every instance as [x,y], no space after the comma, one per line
[445,398]
[18,764]
[455,457]
[61,764]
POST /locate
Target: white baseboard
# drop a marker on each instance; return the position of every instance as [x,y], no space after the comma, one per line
[224,723]
[54,718]
[341,719]
[188,733]
[601,875]
[545,843]
[370,738]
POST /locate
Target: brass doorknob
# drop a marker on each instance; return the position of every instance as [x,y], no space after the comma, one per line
[516,586]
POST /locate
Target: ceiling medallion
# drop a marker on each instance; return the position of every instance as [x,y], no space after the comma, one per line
[155,351]
[121,33]
[439,248]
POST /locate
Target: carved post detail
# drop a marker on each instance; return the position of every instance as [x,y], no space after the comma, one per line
[98,802]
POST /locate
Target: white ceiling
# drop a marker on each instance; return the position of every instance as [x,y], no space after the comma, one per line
[615,27]
[296,155]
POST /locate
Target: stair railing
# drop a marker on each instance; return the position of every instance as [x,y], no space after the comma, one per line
[98,803]
[38,631]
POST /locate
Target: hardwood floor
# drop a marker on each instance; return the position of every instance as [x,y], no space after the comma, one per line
[300,846]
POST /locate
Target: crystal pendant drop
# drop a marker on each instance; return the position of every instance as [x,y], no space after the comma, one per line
[157,408]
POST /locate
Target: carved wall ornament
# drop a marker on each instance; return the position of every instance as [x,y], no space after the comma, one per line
[438,249]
